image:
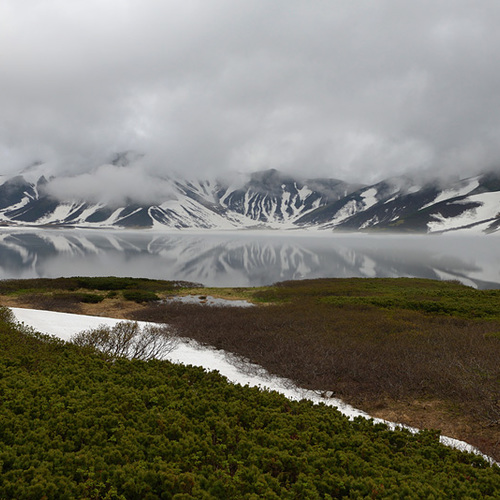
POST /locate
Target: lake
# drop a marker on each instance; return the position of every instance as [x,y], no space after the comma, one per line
[247,258]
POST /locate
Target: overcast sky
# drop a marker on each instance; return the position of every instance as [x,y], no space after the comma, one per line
[358,90]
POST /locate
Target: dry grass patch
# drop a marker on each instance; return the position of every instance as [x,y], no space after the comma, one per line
[112,308]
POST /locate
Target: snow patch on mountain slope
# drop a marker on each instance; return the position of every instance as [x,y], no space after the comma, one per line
[462,190]
[304,192]
[21,204]
[352,207]
[480,228]
[488,210]
[59,214]
[369,197]
[112,219]
[87,212]
[370,222]
[189,213]
[349,209]
[130,214]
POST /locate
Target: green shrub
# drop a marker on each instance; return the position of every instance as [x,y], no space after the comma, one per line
[74,425]
[140,296]
[91,298]
[105,283]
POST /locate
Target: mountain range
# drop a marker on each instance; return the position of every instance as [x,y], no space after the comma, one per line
[266,200]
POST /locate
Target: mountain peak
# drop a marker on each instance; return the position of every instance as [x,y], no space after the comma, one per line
[125,158]
[270,179]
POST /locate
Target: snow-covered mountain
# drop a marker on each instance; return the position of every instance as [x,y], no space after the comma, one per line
[398,204]
[267,199]
[264,199]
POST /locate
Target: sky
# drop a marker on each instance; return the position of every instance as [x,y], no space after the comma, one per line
[357,90]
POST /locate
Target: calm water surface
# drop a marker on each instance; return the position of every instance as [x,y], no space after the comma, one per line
[241,258]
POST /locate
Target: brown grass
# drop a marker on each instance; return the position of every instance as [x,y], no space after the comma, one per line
[110,307]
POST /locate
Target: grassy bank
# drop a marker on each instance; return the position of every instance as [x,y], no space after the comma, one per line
[417,351]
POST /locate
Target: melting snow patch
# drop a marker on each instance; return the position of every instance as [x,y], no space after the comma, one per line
[369,197]
[487,211]
[463,190]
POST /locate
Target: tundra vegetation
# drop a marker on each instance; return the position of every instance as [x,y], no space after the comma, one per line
[417,351]
[75,423]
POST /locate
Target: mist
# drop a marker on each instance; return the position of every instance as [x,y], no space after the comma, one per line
[348,90]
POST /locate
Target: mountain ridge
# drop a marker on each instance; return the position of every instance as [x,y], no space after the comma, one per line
[265,199]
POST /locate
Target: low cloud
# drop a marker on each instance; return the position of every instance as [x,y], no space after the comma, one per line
[112,184]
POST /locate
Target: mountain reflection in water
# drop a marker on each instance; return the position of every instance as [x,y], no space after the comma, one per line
[242,258]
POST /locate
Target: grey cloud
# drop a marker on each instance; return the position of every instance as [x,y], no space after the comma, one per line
[112,184]
[354,90]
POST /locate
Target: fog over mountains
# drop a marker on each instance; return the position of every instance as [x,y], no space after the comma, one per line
[267,199]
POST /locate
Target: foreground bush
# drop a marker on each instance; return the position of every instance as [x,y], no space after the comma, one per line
[128,339]
[140,296]
[74,424]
